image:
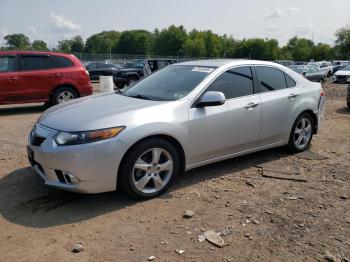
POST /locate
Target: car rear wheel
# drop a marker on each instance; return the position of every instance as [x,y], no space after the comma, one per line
[149,169]
[64,94]
[302,132]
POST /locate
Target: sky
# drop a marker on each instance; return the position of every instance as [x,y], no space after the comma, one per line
[52,21]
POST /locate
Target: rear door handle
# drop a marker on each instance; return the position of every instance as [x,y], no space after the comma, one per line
[57,75]
[292,95]
[12,78]
[251,105]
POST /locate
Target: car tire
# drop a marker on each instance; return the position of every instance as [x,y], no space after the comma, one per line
[329,74]
[64,94]
[138,175]
[301,133]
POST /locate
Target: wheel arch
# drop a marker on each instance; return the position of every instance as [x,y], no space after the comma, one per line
[170,139]
[314,118]
[63,85]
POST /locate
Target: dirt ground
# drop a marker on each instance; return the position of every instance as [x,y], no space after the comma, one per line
[260,218]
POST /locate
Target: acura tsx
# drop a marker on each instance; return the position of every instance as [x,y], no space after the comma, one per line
[183,116]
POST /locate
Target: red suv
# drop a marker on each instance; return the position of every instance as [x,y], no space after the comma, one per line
[53,78]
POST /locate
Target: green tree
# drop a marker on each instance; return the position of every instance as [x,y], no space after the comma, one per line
[322,52]
[170,41]
[212,44]
[194,47]
[17,41]
[300,48]
[77,44]
[228,47]
[74,45]
[64,46]
[102,43]
[343,43]
[39,45]
[134,42]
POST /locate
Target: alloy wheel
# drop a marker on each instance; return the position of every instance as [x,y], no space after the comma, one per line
[65,96]
[152,170]
[302,133]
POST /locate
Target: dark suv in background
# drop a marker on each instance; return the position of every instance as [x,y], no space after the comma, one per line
[53,78]
[137,69]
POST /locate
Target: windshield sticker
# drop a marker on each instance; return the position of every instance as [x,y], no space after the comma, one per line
[203,69]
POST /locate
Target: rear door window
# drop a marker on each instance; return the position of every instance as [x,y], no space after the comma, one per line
[234,83]
[7,64]
[34,62]
[270,78]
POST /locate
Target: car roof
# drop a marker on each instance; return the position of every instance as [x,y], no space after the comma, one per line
[14,52]
[226,62]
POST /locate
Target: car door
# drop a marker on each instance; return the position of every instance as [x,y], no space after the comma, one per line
[38,76]
[278,94]
[9,78]
[233,127]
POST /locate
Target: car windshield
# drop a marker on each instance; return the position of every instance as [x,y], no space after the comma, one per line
[298,69]
[170,83]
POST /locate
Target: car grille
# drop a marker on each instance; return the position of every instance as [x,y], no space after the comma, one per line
[37,140]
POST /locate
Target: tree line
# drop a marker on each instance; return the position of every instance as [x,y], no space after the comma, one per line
[176,41]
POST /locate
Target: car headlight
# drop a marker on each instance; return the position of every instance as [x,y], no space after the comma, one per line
[76,138]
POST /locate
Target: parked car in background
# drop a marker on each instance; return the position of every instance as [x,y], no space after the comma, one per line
[324,66]
[285,62]
[97,69]
[133,71]
[341,76]
[310,72]
[181,117]
[53,78]
[339,65]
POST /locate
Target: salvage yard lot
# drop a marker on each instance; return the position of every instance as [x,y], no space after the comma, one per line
[260,218]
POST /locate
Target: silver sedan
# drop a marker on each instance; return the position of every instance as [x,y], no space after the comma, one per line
[181,117]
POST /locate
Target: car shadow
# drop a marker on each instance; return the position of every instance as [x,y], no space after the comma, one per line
[26,201]
[27,109]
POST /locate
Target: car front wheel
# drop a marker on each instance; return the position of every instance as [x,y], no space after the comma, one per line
[302,133]
[149,169]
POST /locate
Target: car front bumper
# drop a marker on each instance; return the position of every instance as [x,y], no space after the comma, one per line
[94,165]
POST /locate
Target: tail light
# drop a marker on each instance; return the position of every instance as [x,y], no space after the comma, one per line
[323,93]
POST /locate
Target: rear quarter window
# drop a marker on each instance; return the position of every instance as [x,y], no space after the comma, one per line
[61,62]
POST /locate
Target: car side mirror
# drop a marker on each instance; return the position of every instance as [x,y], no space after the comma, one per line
[211,98]
[304,73]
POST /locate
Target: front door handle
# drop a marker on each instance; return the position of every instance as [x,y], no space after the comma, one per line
[292,95]
[251,105]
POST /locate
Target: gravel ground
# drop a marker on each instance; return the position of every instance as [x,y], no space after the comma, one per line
[260,218]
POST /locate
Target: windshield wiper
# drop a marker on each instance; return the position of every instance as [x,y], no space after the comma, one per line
[140,97]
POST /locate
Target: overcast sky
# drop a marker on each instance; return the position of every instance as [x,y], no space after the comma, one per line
[280,19]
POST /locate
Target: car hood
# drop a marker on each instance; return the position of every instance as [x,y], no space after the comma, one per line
[94,112]
[342,72]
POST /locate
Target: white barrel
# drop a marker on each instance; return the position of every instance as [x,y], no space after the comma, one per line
[106,84]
